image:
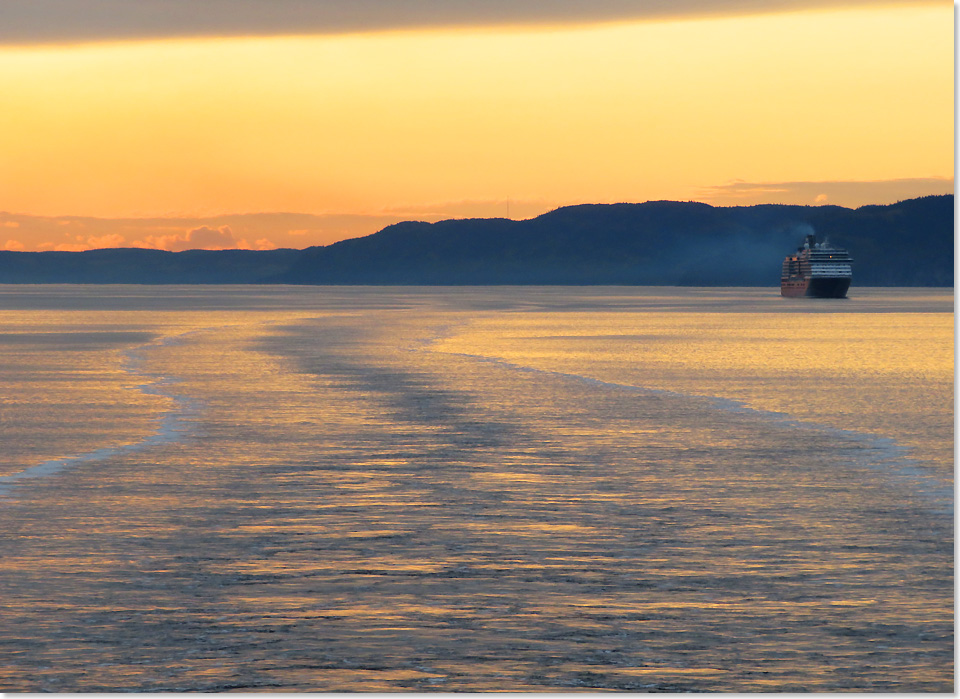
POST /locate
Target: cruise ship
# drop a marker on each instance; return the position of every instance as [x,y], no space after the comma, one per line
[816,269]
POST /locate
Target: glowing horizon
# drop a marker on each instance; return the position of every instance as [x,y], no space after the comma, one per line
[710,109]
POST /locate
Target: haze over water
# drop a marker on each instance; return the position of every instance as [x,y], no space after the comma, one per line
[547,489]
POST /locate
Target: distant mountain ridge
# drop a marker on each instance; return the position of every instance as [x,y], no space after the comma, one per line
[909,243]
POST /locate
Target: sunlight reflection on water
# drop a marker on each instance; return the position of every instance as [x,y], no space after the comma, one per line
[356,506]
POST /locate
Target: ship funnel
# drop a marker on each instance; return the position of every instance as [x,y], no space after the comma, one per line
[811,240]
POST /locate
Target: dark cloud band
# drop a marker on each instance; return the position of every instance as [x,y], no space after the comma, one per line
[67,21]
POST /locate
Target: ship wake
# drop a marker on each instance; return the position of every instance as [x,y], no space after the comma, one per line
[172,425]
[882,454]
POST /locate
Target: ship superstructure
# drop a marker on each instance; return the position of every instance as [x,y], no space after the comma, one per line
[816,269]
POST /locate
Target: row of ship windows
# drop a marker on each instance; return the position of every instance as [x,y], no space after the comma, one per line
[820,273]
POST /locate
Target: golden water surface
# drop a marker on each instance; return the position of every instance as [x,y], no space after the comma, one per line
[276,489]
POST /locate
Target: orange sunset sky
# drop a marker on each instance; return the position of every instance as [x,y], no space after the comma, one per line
[288,123]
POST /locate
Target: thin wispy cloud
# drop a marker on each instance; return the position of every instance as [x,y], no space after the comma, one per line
[236,231]
[244,231]
[844,192]
[51,21]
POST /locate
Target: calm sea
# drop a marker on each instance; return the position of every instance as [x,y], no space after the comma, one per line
[474,489]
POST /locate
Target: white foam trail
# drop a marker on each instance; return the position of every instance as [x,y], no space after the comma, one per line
[174,424]
[881,453]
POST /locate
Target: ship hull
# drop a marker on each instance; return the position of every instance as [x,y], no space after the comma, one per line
[823,288]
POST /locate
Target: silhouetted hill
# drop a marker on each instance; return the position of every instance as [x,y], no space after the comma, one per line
[656,243]
[909,243]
